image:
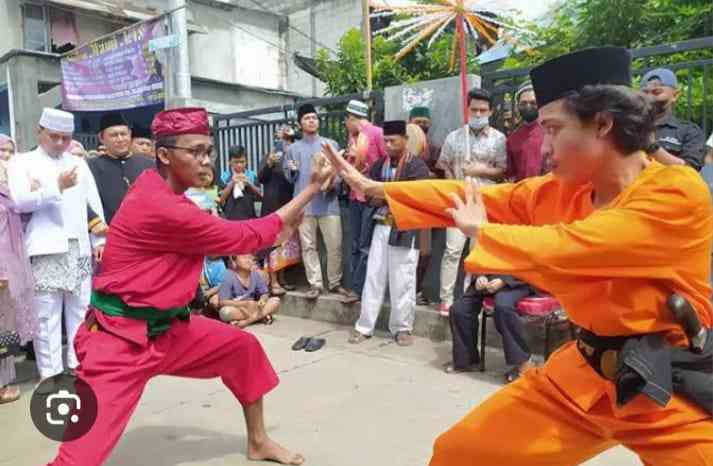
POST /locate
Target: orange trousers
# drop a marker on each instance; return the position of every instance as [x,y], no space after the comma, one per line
[539,420]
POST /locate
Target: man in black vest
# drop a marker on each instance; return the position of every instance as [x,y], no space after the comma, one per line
[117,168]
[393,255]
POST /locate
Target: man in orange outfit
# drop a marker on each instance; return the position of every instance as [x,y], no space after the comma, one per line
[612,235]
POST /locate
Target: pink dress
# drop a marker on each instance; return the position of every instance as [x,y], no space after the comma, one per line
[16,294]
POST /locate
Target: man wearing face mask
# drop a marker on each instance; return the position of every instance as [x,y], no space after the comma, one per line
[524,146]
[478,151]
[677,142]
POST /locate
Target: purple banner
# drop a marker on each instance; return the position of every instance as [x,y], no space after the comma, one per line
[114,73]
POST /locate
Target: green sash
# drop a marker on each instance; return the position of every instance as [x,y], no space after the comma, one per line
[158,321]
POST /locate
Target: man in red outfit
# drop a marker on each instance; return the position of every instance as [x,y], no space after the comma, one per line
[139,325]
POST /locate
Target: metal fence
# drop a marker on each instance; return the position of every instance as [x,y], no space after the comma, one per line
[691,60]
[255,129]
[89,141]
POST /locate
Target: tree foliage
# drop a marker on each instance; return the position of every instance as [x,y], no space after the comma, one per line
[573,25]
[346,73]
[578,24]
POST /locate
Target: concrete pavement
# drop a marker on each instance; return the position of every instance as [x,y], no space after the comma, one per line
[372,404]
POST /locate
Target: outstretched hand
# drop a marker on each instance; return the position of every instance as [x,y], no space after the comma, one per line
[469,213]
[353,177]
[322,170]
[289,227]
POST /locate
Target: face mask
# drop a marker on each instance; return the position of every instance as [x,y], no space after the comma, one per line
[478,123]
[529,114]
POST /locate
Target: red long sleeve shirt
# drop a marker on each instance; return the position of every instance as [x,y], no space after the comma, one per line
[158,240]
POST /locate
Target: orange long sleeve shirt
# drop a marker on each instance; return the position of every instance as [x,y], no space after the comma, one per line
[611,268]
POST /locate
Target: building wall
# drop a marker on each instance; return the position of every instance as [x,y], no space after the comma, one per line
[327,21]
[223,98]
[91,27]
[10,26]
[25,73]
[233,50]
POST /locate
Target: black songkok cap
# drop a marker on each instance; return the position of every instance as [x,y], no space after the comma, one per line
[559,76]
[395,127]
[112,119]
[305,109]
[140,132]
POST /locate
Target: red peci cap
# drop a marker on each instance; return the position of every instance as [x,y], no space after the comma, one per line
[177,121]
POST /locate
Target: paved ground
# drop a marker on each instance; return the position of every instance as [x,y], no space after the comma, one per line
[374,404]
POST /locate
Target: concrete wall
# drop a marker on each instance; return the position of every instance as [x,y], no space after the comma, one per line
[326,21]
[11,35]
[10,26]
[442,96]
[25,74]
[234,50]
[222,98]
[91,27]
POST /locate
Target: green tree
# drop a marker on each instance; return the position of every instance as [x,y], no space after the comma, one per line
[633,24]
[346,73]
[578,24]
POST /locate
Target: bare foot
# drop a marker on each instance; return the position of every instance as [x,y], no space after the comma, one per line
[271,451]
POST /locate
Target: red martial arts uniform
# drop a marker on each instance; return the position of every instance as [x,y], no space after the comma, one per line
[153,258]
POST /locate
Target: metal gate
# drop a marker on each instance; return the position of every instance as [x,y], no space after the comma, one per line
[255,129]
[695,79]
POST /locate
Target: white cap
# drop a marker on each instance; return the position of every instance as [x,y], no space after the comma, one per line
[57,120]
[358,108]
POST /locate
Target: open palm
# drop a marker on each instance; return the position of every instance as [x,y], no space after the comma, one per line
[468,213]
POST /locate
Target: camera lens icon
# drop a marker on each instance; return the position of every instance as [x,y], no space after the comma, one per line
[59,404]
[63,408]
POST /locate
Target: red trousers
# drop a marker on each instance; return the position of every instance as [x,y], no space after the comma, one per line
[118,369]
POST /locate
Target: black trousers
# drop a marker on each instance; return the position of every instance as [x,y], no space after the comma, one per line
[463,318]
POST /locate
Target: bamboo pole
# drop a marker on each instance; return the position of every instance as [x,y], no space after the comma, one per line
[367,41]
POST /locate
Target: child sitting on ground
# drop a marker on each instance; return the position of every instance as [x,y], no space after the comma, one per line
[243,296]
[213,273]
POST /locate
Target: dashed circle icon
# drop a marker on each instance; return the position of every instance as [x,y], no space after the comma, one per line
[63,408]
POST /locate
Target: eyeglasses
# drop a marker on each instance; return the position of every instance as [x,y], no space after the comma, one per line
[200,152]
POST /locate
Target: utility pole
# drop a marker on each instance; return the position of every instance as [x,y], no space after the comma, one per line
[182,65]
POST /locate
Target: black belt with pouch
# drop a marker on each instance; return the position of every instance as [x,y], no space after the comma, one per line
[602,353]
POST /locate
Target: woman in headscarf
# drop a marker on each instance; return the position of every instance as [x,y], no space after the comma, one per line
[7,150]
[17,323]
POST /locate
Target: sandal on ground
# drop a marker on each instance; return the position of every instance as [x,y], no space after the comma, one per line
[278,291]
[313,293]
[9,394]
[268,320]
[512,375]
[450,368]
[315,344]
[300,344]
[357,337]
[352,298]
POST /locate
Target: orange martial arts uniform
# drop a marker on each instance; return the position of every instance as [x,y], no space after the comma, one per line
[612,270]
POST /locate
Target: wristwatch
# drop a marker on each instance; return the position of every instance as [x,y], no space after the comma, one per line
[652,148]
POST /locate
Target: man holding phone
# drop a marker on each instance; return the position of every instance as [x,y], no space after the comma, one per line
[276,191]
